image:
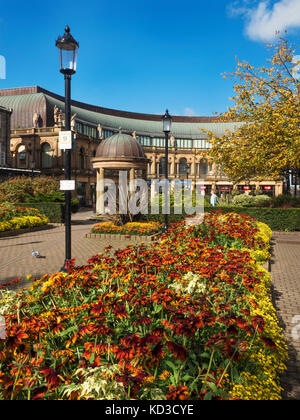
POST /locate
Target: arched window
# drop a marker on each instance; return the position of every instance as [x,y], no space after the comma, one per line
[203,167]
[22,156]
[162,166]
[81,158]
[183,167]
[46,156]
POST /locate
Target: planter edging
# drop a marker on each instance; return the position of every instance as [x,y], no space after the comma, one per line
[9,233]
[135,238]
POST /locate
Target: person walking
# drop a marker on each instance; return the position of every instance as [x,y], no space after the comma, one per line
[213,199]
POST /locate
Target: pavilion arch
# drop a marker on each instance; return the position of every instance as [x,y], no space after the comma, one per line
[119,152]
[46,156]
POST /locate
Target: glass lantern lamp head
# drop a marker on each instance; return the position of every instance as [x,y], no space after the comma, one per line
[167,122]
[67,52]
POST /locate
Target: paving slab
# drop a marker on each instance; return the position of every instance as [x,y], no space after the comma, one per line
[285,270]
[16,260]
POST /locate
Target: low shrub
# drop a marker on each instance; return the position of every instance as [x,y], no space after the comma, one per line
[286,200]
[42,192]
[278,219]
[18,189]
[15,218]
[246,200]
[54,211]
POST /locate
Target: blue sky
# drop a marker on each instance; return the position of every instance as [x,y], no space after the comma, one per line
[142,56]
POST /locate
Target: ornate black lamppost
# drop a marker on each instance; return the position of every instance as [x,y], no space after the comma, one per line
[167,124]
[67,49]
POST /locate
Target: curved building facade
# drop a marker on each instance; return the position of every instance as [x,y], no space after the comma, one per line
[38,116]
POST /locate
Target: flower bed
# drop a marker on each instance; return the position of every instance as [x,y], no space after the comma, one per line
[133,228]
[188,317]
[15,218]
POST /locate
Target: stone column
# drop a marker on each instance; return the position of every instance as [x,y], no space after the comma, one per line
[131,174]
[278,189]
[153,163]
[172,166]
[100,191]
[214,169]
[193,168]
[131,178]
[213,186]
[257,185]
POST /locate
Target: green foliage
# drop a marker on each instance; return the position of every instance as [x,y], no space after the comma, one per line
[286,200]
[42,193]
[54,211]
[246,200]
[9,211]
[18,189]
[40,197]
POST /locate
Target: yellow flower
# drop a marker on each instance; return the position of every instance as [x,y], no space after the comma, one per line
[165,375]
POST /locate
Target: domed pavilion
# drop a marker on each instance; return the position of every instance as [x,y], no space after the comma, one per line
[119,152]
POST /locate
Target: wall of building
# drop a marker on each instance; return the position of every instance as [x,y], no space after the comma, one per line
[5,115]
[37,147]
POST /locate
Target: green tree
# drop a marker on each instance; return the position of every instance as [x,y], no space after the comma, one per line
[266,142]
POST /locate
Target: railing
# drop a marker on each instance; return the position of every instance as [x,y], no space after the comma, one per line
[18,131]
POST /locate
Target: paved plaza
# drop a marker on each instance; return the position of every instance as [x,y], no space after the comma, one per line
[16,258]
[285,270]
[16,261]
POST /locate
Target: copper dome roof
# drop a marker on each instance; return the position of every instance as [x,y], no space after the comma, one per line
[120,145]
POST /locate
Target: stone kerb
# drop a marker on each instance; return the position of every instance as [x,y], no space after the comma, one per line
[119,237]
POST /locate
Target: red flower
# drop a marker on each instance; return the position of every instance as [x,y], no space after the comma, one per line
[51,376]
[268,342]
[241,322]
[142,321]
[178,393]
[178,351]
[258,323]
[120,311]
[99,308]
[157,352]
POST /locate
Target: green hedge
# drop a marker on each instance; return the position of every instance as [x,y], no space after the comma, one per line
[279,219]
[54,211]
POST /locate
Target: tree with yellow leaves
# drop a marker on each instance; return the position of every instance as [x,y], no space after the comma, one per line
[266,142]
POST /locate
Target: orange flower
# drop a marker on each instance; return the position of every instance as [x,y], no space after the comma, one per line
[178,393]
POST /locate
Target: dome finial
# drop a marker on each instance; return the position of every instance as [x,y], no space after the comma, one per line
[120,129]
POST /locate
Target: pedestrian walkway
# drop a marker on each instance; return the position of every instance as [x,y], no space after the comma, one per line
[286,299]
[16,260]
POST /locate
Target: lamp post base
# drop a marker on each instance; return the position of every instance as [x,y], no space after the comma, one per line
[66,267]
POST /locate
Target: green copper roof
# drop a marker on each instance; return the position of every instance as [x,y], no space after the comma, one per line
[24,106]
[154,128]
[120,145]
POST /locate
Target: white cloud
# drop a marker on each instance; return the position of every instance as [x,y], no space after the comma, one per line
[263,20]
[189,112]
